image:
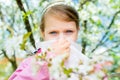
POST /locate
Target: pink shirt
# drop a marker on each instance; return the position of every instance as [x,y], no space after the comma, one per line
[25,72]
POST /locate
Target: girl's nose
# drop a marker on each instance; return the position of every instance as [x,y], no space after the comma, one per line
[61,35]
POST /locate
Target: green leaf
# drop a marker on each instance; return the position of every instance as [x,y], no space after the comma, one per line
[41,2]
[111,37]
[62,64]
[99,22]
[26,14]
[67,71]
[25,38]
[115,6]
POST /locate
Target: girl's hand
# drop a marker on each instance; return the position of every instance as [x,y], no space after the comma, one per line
[61,46]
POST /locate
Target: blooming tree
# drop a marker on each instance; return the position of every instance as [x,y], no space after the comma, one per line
[19,29]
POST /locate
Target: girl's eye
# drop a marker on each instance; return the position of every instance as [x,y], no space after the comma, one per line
[69,31]
[53,32]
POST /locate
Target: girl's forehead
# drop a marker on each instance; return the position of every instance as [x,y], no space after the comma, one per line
[57,15]
[52,22]
[66,26]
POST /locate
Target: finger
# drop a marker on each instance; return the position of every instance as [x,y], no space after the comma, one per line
[67,50]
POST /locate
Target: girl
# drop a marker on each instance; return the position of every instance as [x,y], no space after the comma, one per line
[60,22]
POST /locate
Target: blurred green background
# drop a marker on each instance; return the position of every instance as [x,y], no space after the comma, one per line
[19,30]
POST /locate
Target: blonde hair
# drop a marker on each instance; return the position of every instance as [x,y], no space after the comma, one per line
[67,13]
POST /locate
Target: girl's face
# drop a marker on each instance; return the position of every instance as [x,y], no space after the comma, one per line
[56,28]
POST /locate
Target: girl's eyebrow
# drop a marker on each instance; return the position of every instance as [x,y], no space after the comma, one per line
[70,29]
[52,31]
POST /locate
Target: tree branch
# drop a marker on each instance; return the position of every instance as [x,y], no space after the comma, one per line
[109,35]
[117,45]
[26,22]
[4,52]
[84,43]
[33,24]
[10,30]
[12,60]
[106,33]
[1,16]
[83,3]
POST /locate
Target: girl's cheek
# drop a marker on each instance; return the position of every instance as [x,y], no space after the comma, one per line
[72,38]
[50,37]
